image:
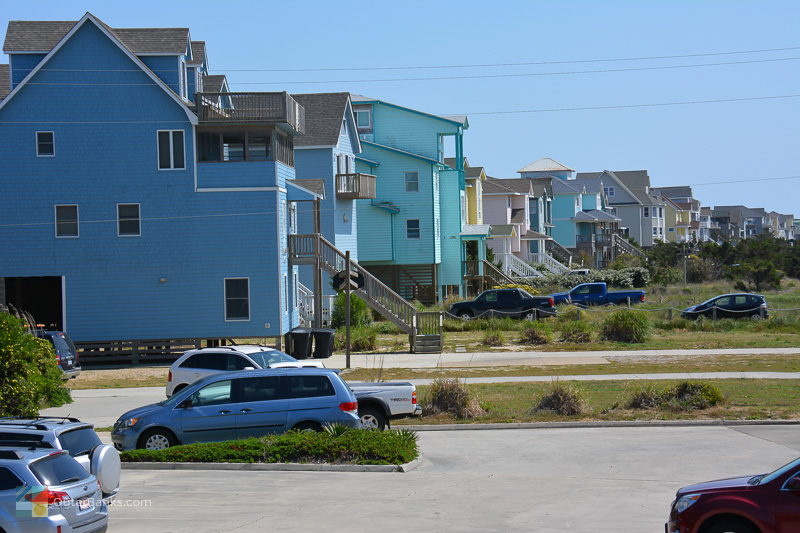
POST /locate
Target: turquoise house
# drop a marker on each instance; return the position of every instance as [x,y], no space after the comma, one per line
[413,234]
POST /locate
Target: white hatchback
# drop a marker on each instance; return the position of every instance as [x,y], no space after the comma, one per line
[197,364]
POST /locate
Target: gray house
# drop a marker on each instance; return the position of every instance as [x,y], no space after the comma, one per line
[628,193]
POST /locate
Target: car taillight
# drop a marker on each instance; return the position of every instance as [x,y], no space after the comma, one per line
[349,407]
[641,298]
[552,302]
[52,496]
[169,376]
[414,397]
[58,358]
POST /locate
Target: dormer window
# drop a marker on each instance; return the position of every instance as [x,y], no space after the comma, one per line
[610,191]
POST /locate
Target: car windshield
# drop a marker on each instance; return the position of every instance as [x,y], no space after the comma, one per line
[525,293]
[269,358]
[762,480]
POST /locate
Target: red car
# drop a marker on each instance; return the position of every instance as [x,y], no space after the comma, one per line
[766,503]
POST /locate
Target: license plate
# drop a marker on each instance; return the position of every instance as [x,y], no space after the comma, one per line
[84,504]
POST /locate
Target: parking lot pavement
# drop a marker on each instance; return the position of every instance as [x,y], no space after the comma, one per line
[102,407]
[553,480]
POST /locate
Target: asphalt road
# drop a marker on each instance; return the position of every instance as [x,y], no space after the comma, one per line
[551,480]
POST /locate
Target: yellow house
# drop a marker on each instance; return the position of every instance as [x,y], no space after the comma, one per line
[474,177]
[677,220]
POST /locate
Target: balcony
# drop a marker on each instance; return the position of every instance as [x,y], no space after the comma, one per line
[355,186]
[250,108]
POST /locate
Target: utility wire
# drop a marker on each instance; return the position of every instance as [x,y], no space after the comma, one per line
[523,63]
[627,106]
[521,75]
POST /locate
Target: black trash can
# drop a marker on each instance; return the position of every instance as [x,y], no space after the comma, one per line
[301,343]
[323,343]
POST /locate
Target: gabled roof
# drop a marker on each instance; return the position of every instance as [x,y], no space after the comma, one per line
[214,83]
[198,52]
[324,115]
[401,152]
[315,185]
[542,186]
[595,215]
[634,182]
[545,164]
[460,120]
[517,185]
[503,230]
[588,185]
[681,191]
[469,172]
[5,80]
[475,229]
[299,191]
[518,216]
[104,28]
[43,35]
[566,187]
[495,186]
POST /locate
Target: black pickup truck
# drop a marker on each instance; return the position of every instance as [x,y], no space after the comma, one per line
[506,302]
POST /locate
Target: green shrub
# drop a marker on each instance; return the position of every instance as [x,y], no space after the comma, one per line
[562,399]
[577,332]
[359,313]
[355,446]
[626,325]
[29,374]
[536,333]
[685,396]
[361,339]
[386,328]
[493,338]
[451,396]
[626,278]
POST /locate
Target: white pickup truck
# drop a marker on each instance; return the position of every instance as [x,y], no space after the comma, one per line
[378,403]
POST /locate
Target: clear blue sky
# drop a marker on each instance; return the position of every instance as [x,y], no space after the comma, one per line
[678,144]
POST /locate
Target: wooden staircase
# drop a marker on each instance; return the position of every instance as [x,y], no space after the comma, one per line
[424,333]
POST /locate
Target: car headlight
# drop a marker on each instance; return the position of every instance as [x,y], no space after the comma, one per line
[684,502]
[129,423]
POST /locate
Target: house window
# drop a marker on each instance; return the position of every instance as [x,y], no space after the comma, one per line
[646,212]
[128,221]
[655,231]
[67,221]
[237,299]
[45,144]
[171,150]
[660,212]
[233,146]
[412,229]
[661,231]
[286,292]
[609,191]
[363,118]
[412,181]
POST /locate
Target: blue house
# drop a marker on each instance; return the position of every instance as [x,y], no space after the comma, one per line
[414,234]
[325,164]
[139,204]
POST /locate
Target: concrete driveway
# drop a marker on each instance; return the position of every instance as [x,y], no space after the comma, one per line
[553,480]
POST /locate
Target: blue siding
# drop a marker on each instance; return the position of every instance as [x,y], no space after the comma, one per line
[168,282]
[21,65]
[408,130]
[166,68]
[237,174]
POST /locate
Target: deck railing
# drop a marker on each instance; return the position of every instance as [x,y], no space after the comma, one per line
[355,186]
[474,268]
[238,108]
[623,246]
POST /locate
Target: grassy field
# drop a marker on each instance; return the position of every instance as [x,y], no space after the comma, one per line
[744,400]
[719,363]
[781,330]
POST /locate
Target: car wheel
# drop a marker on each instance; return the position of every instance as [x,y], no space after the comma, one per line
[730,526]
[308,426]
[464,315]
[157,439]
[756,316]
[178,388]
[372,418]
[529,315]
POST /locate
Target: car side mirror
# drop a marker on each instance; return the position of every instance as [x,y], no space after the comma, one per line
[185,404]
[249,368]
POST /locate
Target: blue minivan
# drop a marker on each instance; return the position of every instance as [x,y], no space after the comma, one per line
[237,405]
